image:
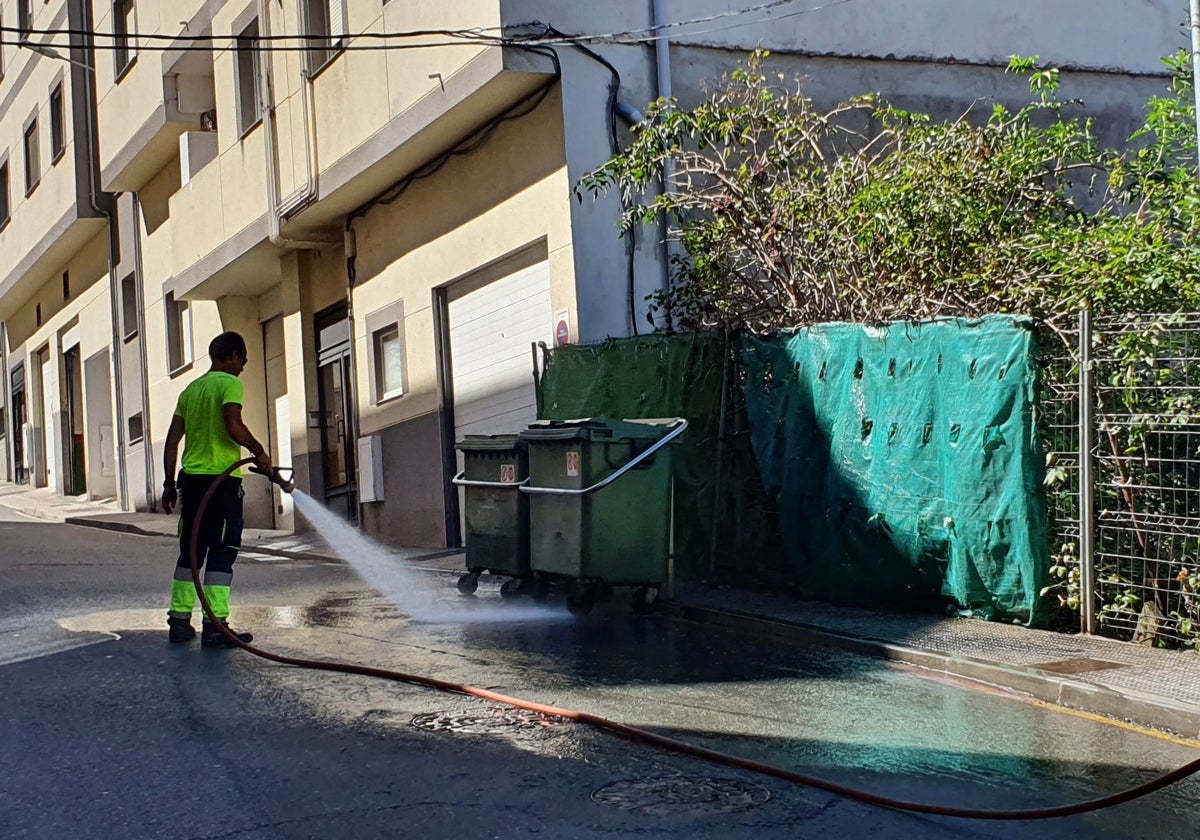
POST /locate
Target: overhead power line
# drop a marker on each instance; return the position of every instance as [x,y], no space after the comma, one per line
[300,42]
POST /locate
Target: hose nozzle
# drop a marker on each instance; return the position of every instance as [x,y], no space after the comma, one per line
[276,476]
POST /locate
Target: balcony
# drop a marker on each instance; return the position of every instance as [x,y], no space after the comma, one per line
[52,218]
[147,100]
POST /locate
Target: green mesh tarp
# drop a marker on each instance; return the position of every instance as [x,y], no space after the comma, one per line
[905,463]
[644,377]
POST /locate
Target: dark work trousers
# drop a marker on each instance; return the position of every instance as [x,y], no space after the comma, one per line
[217,546]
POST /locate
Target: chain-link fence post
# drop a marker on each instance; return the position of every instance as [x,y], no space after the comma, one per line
[1087,498]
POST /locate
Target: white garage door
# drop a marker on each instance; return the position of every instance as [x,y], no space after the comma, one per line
[491,329]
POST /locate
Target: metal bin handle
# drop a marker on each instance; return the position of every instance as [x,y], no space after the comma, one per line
[461,481]
[680,426]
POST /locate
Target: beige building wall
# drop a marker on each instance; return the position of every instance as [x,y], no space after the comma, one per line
[86,309]
[25,95]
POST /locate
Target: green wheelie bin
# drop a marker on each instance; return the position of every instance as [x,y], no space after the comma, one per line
[497,515]
[600,506]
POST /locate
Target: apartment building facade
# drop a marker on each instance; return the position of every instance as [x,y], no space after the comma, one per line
[390,221]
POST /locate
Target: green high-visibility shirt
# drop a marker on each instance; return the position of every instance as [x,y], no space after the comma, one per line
[207,447]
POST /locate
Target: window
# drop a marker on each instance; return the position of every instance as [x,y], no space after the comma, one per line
[33,163]
[179,333]
[66,285]
[248,90]
[24,17]
[5,209]
[389,362]
[129,307]
[124,23]
[58,138]
[325,22]
[135,428]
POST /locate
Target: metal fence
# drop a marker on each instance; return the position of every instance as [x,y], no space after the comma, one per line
[1121,425]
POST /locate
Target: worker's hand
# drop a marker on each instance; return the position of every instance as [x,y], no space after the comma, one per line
[170,498]
[263,462]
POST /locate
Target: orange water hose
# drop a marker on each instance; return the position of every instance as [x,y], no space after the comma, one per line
[634,733]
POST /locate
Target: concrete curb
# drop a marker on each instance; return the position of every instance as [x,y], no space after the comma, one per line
[1127,705]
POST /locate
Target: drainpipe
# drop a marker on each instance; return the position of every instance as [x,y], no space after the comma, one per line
[301,198]
[139,284]
[1195,21]
[662,78]
[266,95]
[102,204]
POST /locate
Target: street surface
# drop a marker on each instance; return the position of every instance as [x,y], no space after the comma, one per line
[107,731]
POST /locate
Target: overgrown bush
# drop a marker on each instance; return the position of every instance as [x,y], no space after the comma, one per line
[788,214]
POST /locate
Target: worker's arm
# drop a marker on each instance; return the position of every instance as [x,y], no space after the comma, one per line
[241,435]
[170,456]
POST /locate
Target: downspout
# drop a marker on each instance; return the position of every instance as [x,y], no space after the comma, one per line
[662,78]
[266,95]
[274,213]
[302,198]
[139,283]
[104,208]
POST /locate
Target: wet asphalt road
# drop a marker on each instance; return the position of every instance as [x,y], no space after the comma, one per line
[107,731]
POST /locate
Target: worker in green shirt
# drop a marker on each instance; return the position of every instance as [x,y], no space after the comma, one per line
[209,418]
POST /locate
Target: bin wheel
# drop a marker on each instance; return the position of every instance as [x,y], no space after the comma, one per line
[645,599]
[468,583]
[512,588]
[541,589]
[581,600]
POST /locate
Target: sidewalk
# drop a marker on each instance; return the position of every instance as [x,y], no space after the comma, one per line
[1146,686]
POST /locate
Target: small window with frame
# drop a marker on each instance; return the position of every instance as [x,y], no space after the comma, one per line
[5,201]
[179,333]
[325,26]
[33,157]
[387,344]
[124,25]
[249,94]
[58,123]
[129,307]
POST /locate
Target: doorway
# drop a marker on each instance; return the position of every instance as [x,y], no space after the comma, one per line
[76,472]
[20,470]
[336,412]
[46,461]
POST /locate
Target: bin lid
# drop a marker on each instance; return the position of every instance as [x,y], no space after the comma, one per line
[490,443]
[600,428]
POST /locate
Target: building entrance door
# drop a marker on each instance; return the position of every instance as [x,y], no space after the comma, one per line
[76,472]
[20,471]
[336,412]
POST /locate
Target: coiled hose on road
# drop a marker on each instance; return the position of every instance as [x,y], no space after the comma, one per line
[633,733]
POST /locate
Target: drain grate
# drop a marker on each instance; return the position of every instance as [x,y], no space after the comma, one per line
[482,723]
[1078,666]
[682,794]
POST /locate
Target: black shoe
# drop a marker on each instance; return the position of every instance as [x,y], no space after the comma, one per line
[180,630]
[214,638]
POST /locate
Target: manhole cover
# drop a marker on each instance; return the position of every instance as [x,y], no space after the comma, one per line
[682,794]
[481,723]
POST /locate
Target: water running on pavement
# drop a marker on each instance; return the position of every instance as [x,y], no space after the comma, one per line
[422,597]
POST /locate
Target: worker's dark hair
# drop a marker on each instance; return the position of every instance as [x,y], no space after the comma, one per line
[225,345]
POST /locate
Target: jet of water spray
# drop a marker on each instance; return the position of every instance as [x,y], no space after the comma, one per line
[420,596]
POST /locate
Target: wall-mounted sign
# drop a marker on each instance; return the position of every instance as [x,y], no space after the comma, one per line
[562,328]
